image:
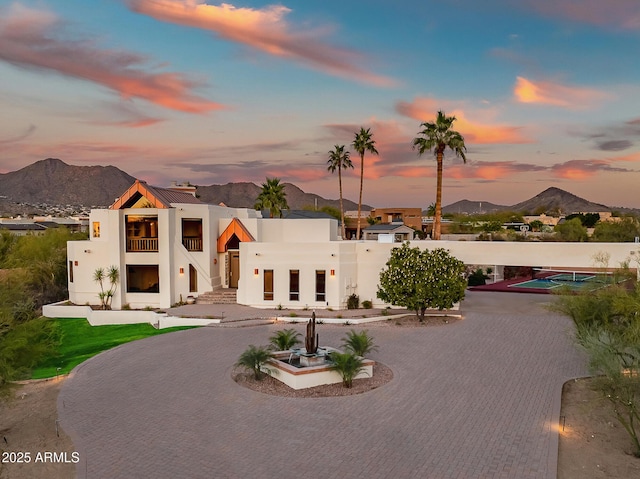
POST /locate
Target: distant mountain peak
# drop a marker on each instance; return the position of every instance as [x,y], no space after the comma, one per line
[552,198]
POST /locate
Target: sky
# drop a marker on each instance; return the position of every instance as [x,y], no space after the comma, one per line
[545,93]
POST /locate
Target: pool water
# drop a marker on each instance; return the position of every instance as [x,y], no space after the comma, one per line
[575,282]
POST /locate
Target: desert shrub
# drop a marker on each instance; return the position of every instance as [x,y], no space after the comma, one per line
[359,343]
[353,302]
[255,359]
[366,304]
[477,278]
[348,365]
[285,339]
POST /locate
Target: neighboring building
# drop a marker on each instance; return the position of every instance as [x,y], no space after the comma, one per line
[411,217]
[39,224]
[397,231]
[22,227]
[168,246]
[544,219]
[351,222]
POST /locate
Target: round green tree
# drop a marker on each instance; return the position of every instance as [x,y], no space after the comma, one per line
[421,280]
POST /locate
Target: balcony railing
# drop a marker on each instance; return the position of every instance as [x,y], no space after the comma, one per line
[192,244]
[142,244]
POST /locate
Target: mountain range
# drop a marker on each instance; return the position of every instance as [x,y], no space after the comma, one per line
[551,199]
[53,182]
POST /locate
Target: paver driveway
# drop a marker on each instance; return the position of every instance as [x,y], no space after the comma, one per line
[476,399]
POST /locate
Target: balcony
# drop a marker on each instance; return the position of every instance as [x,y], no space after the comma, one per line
[137,245]
[192,243]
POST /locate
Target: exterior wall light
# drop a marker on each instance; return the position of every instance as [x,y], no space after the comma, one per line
[333,272]
[255,272]
[181,271]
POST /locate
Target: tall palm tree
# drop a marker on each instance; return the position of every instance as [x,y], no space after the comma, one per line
[272,197]
[339,160]
[361,143]
[437,137]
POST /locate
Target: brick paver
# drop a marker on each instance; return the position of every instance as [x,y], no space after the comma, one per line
[476,399]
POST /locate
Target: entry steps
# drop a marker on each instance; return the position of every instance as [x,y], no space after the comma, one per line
[219,296]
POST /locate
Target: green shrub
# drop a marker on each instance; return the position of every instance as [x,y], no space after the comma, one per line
[285,339]
[366,304]
[359,343]
[353,302]
[255,359]
[477,278]
[348,365]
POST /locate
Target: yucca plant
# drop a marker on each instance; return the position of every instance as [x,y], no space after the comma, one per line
[255,359]
[285,339]
[348,365]
[359,344]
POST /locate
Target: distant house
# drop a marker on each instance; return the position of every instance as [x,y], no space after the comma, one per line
[22,228]
[397,231]
[411,217]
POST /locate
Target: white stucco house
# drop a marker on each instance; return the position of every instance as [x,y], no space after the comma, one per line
[168,245]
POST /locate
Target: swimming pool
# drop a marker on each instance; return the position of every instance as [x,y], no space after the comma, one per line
[574,281]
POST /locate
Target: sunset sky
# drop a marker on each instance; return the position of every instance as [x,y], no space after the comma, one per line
[545,92]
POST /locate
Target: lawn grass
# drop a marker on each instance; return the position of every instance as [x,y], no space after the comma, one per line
[80,341]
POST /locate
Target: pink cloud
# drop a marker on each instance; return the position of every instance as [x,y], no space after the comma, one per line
[266,30]
[607,13]
[583,169]
[32,39]
[557,94]
[425,109]
[633,157]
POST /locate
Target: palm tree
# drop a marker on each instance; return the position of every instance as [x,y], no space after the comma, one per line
[339,160]
[348,365]
[255,359]
[285,339]
[359,344]
[437,137]
[361,143]
[272,197]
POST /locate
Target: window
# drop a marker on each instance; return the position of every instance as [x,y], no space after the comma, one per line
[294,285]
[142,233]
[70,271]
[192,234]
[320,285]
[143,278]
[96,229]
[268,285]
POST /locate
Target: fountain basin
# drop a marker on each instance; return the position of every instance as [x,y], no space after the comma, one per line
[302,377]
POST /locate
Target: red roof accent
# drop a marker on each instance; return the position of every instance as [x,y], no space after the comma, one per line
[235,228]
[161,198]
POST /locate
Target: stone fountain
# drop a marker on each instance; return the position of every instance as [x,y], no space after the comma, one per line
[310,366]
[312,355]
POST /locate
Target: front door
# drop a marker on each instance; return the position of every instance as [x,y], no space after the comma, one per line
[234,268]
[193,279]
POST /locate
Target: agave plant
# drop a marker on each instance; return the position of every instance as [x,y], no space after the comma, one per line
[359,344]
[285,339]
[255,359]
[348,365]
